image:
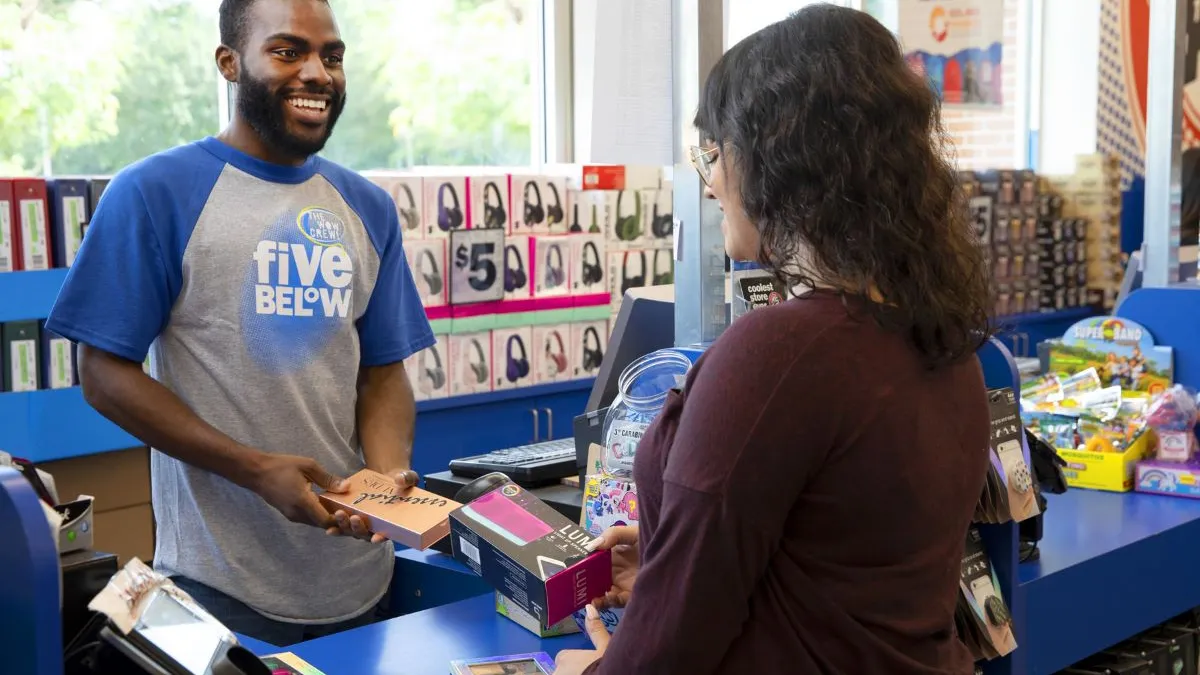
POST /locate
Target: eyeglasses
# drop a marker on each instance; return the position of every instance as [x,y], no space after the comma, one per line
[703,159]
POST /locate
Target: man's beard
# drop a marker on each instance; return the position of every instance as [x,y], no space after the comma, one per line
[264,111]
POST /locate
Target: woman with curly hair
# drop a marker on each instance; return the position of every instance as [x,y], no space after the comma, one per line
[806,497]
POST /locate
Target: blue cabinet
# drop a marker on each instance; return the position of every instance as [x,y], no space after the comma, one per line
[471,425]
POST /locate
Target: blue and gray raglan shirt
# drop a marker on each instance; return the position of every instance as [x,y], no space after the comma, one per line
[258,290]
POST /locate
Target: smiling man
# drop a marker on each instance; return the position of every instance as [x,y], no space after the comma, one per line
[271,290]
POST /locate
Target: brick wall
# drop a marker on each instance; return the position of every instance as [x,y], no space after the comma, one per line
[986,138]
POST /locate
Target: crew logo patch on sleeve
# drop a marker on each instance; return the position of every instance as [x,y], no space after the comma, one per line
[298,289]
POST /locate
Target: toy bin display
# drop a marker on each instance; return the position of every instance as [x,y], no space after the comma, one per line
[1092,401]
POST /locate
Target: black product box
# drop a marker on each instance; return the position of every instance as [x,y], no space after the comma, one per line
[58,361]
[20,341]
[1049,206]
[530,553]
[1157,656]
[1050,231]
[1001,224]
[1115,665]
[1053,300]
[1179,646]
[1027,187]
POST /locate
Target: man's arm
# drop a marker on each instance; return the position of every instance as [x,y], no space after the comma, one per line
[386,413]
[121,391]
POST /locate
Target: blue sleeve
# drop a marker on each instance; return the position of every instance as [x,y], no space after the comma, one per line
[394,325]
[117,295]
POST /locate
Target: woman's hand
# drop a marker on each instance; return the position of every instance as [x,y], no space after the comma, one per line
[575,661]
[626,558]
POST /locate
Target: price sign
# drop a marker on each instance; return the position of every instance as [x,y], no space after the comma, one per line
[981,219]
[476,265]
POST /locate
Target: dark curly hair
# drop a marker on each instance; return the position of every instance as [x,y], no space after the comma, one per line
[846,173]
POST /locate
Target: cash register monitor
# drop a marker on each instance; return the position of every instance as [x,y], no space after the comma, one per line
[645,323]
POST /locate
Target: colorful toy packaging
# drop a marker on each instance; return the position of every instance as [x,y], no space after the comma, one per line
[608,501]
[1091,404]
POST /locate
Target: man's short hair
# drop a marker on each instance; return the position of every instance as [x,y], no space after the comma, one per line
[233,17]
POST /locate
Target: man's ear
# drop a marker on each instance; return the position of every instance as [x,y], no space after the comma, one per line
[229,63]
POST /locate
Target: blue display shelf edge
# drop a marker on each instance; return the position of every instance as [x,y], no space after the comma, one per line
[1015,320]
[29,295]
[52,424]
[484,398]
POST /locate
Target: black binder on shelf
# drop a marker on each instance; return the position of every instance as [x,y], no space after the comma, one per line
[21,344]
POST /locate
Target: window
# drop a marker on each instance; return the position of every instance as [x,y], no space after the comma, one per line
[747,16]
[89,86]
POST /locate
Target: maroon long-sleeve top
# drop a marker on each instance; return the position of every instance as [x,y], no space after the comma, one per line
[804,504]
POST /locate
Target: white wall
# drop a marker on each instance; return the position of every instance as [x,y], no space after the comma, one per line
[1070,80]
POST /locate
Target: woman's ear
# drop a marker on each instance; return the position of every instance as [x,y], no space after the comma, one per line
[229,63]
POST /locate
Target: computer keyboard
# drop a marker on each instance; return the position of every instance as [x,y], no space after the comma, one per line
[527,465]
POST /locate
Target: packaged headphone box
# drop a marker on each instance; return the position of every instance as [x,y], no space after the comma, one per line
[588,265]
[551,356]
[519,544]
[551,268]
[516,268]
[590,212]
[427,260]
[412,517]
[510,354]
[591,341]
[626,270]
[489,202]
[427,370]
[658,216]
[539,204]
[445,205]
[407,193]
[627,220]
[471,358]
[662,266]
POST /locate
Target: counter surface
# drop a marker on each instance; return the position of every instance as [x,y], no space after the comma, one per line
[426,642]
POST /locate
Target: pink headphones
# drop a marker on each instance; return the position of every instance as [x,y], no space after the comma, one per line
[560,357]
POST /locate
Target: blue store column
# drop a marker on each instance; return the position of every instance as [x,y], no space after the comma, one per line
[698,37]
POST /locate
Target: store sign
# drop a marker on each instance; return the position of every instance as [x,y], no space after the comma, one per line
[957,44]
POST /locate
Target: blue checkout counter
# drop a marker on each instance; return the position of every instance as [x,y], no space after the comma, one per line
[425,641]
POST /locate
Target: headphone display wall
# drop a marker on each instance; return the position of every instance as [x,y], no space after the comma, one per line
[430,370]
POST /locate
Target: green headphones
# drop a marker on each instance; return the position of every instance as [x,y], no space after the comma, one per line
[629,227]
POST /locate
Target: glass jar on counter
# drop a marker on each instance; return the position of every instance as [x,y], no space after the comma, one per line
[641,392]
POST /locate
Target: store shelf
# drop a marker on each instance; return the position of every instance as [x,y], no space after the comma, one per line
[1112,565]
[51,424]
[29,295]
[1073,314]
[469,400]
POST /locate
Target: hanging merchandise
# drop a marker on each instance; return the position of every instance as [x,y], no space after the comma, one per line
[642,391]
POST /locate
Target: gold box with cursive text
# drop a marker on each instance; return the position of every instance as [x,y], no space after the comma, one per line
[413,517]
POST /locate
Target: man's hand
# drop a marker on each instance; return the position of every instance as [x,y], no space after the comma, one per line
[355,526]
[285,482]
[626,559]
[575,661]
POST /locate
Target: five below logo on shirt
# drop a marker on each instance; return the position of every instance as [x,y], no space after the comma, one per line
[309,278]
